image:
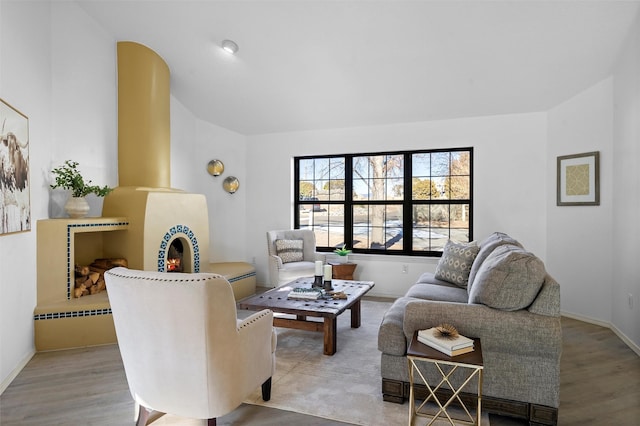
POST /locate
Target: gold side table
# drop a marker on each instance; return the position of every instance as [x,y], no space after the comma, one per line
[446,365]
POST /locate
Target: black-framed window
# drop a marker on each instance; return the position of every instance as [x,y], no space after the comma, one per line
[406,202]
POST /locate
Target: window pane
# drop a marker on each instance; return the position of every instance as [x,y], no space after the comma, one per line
[430,226]
[321,168]
[306,169]
[459,221]
[421,165]
[460,164]
[395,189]
[307,189]
[424,189]
[458,187]
[440,164]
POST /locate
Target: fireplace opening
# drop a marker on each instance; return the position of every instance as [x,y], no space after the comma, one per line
[175,256]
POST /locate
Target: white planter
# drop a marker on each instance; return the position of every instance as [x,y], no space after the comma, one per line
[336,258]
[77,207]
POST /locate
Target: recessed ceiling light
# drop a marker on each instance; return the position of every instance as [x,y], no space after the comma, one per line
[229,46]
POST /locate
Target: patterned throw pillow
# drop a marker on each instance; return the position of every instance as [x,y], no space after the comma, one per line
[456,261]
[289,250]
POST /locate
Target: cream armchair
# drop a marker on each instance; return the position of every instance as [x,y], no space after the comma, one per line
[281,270]
[184,350]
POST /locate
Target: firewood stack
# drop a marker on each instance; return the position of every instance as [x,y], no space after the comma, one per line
[90,279]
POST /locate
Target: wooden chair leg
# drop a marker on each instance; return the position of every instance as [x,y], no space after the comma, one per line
[143,416]
[211,422]
[266,390]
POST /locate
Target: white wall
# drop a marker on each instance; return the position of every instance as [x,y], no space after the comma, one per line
[193,144]
[626,193]
[509,168]
[579,238]
[84,108]
[25,83]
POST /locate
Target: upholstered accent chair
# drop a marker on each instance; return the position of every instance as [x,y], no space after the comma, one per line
[184,350]
[292,254]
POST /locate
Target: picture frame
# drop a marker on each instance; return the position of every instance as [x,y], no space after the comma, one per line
[15,202]
[578,179]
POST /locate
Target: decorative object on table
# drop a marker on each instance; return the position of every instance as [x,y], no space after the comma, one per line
[442,338]
[338,295]
[215,167]
[343,254]
[578,179]
[328,275]
[305,293]
[317,281]
[231,184]
[447,331]
[68,177]
[15,203]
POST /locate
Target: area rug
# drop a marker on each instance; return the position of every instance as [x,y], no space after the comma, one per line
[344,387]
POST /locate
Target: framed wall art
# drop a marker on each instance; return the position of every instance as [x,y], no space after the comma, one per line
[15,204]
[579,179]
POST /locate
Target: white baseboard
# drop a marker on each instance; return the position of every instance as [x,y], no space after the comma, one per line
[7,381]
[608,325]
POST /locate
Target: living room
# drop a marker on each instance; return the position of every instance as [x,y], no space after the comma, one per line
[58,68]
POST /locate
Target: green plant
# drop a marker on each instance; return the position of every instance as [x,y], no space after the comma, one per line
[342,251]
[68,177]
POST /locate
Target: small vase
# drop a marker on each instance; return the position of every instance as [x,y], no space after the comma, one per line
[343,259]
[77,207]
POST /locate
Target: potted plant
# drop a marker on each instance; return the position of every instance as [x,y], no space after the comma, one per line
[68,177]
[343,253]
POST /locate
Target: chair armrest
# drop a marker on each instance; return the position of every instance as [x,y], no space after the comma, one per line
[517,332]
[257,323]
[275,263]
[320,256]
[258,340]
[275,260]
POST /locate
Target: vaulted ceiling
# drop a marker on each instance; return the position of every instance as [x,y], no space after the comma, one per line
[305,65]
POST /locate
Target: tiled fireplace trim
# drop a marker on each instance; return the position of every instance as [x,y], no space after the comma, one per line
[70,267]
[242,277]
[174,232]
[75,314]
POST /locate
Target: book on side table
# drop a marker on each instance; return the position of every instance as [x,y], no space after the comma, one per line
[451,346]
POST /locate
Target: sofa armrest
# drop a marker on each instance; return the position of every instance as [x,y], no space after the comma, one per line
[516,332]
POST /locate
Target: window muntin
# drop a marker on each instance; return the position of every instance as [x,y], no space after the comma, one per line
[394,203]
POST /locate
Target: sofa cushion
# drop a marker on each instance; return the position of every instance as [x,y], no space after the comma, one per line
[486,247]
[456,261]
[509,279]
[443,293]
[289,250]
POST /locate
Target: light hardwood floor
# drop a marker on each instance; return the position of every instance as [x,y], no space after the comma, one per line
[600,385]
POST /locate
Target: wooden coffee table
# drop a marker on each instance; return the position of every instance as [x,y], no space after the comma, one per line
[276,299]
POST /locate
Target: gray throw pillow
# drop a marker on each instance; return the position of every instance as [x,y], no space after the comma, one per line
[509,279]
[456,261]
[289,250]
[486,247]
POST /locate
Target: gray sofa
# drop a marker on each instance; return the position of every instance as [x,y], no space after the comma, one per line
[499,292]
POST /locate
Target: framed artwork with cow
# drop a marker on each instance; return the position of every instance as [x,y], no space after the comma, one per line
[15,203]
